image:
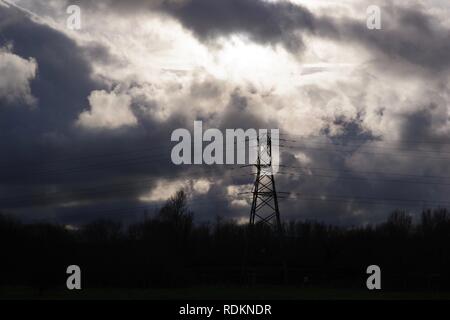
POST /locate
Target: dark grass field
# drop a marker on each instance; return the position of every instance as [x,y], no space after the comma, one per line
[219,293]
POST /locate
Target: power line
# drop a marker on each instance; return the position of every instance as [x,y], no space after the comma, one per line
[365,139]
[96,165]
[90,192]
[341,145]
[365,179]
[371,199]
[359,152]
[383,173]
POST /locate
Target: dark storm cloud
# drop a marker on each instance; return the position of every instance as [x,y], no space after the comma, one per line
[49,162]
[50,169]
[264,22]
[407,34]
[46,160]
[63,79]
[268,23]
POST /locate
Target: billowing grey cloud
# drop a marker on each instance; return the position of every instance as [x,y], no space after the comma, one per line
[407,34]
[264,22]
[52,164]
[269,23]
[48,157]
[72,158]
[16,76]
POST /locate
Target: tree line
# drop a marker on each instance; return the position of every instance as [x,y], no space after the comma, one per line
[170,250]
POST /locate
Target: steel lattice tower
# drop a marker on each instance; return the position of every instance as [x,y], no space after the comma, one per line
[264,211]
[265,200]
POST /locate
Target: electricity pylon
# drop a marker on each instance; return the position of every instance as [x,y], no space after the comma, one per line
[265,199]
[264,209]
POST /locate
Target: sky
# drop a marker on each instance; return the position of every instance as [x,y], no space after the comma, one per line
[86,115]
